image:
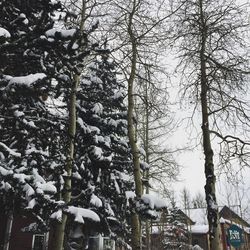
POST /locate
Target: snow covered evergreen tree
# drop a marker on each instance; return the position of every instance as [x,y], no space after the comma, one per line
[40,59]
[36,60]
[103,168]
[175,230]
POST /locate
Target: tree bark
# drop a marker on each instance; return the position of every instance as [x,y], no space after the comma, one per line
[8,229]
[146,145]
[59,230]
[135,222]
[212,208]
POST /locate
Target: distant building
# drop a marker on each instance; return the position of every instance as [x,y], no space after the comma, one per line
[160,227]
[228,217]
[196,223]
[23,235]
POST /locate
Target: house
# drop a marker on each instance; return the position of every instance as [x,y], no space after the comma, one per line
[23,235]
[228,218]
[197,227]
[161,226]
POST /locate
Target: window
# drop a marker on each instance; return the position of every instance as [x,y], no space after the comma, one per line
[38,242]
[94,243]
[108,244]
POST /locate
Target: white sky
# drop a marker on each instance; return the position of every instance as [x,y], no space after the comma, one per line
[192,174]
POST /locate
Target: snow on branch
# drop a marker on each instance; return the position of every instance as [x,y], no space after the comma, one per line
[81,213]
[24,80]
[4,33]
[57,215]
[60,32]
[5,172]
[154,201]
[9,150]
[130,195]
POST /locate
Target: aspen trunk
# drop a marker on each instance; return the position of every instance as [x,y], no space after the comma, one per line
[59,229]
[146,145]
[135,222]
[57,242]
[8,229]
[212,209]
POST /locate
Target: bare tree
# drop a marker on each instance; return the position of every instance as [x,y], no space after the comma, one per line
[134,31]
[185,199]
[153,124]
[236,195]
[209,35]
[199,201]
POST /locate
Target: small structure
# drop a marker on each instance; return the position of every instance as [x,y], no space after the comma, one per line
[21,232]
[235,231]
[23,235]
[231,222]
[162,230]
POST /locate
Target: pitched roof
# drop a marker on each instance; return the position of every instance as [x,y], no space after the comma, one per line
[229,214]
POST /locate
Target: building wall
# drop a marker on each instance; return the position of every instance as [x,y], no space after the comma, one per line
[20,240]
[244,246]
[156,241]
[201,240]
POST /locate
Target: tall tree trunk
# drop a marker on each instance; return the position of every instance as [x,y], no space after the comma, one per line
[146,147]
[135,222]
[8,229]
[59,230]
[212,208]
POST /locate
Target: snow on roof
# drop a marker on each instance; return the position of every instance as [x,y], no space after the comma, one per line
[198,215]
[5,33]
[222,220]
[246,229]
[199,229]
